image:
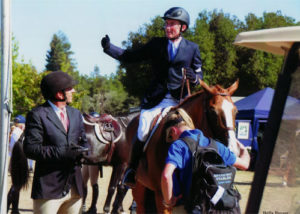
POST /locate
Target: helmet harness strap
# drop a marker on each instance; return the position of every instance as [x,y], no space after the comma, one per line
[173,39]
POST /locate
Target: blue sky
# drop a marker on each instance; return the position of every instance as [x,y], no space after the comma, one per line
[84,22]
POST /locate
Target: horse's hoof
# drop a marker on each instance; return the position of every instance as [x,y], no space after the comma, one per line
[92,210]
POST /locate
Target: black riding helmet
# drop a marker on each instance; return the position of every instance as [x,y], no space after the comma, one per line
[54,82]
[178,13]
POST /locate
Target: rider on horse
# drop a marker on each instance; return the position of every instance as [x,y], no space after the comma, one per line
[169,55]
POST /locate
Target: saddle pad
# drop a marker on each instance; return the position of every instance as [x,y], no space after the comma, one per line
[164,112]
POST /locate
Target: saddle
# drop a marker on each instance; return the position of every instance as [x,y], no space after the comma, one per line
[107,128]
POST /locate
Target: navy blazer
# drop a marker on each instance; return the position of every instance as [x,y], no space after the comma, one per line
[45,142]
[167,73]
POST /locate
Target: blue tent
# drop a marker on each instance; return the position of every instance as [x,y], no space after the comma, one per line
[253,112]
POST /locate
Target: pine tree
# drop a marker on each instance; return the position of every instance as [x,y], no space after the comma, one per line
[59,55]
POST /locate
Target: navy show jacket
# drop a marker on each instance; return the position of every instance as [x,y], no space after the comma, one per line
[167,73]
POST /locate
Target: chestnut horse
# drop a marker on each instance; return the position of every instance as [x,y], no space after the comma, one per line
[212,111]
[112,151]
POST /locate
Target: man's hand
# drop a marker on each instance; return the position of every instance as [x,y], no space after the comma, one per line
[105,42]
[74,152]
[190,74]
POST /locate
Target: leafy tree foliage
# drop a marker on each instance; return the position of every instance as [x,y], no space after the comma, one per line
[25,84]
[107,95]
[258,69]
[59,55]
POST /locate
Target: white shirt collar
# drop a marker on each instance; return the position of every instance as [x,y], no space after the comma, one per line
[176,43]
[56,109]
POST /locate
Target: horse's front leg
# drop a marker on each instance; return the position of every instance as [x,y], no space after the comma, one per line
[138,193]
[121,190]
[114,179]
[118,202]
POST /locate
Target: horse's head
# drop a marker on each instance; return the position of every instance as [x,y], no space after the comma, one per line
[221,113]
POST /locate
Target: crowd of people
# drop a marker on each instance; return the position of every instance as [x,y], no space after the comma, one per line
[55,137]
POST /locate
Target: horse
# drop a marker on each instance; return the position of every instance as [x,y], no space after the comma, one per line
[106,137]
[19,171]
[212,111]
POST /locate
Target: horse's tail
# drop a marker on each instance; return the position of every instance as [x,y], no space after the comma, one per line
[19,166]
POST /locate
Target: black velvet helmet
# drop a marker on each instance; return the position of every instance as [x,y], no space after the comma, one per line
[54,82]
[178,13]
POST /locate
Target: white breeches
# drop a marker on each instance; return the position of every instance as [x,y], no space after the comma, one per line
[147,115]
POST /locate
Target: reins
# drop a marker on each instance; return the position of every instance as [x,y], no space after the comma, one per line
[184,81]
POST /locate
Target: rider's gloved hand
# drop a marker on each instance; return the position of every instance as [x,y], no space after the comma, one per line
[190,74]
[105,42]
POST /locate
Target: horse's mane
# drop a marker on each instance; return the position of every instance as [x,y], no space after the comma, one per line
[189,98]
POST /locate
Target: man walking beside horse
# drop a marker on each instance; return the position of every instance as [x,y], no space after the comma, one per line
[54,137]
[168,55]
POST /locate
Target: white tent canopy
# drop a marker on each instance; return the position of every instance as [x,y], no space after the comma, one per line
[275,40]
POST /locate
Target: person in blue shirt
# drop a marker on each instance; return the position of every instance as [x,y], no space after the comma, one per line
[168,56]
[176,188]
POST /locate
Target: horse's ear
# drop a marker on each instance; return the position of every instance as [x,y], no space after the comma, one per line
[205,86]
[233,87]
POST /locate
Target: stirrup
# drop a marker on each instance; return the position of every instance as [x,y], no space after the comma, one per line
[129,178]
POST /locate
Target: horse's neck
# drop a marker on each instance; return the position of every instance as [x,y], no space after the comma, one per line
[195,106]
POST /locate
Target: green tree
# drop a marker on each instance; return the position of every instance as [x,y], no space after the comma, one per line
[59,55]
[258,69]
[106,94]
[59,58]
[25,84]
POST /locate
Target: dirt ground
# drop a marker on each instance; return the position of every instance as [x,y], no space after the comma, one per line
[274,194]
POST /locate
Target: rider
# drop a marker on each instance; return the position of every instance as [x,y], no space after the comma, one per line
[168,55]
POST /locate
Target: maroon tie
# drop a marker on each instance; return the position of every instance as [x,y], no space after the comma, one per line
[64,120]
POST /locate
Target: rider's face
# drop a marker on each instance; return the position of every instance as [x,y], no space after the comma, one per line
[172,28]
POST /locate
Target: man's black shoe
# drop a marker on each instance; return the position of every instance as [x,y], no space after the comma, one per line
[129,178]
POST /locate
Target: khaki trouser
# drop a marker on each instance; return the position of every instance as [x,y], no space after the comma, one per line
[70,204]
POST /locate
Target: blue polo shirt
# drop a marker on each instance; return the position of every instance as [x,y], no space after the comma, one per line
[180,156]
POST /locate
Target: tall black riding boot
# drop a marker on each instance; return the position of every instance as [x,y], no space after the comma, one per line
[93,208]
[136,153]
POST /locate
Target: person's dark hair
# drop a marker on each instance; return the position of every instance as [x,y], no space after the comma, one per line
[54,82]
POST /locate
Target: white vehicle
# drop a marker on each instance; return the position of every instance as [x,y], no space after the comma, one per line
[279,156]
